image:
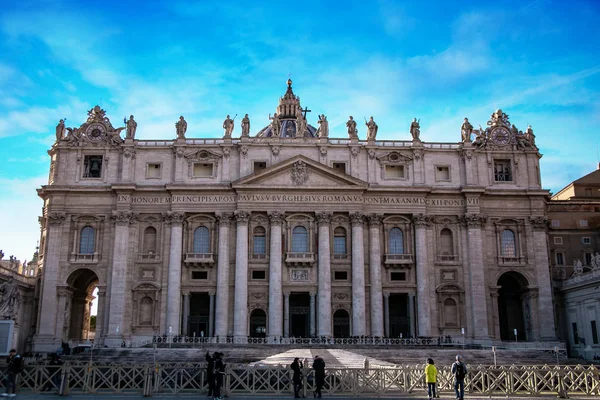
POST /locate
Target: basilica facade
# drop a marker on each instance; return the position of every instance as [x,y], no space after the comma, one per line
[288,232]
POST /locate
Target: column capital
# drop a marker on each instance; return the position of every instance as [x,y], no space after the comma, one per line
[386,294]
[312,293]
[421,220]
[56,218]
[286,294]
[375,219]
[473,220]
[224,219]
[64,291]
[323,217]
[242,217]
[123,218]
[357,218]
[212,292]
[173,218]
[185,293]
[539,223]
[276,217]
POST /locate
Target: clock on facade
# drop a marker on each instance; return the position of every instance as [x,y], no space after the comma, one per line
[500,136]
[95,132]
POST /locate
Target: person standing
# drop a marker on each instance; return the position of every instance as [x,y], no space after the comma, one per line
[459,370]
[319,367]
[219,375]
[14,364]
[210,375]
[296,366]
[431,378]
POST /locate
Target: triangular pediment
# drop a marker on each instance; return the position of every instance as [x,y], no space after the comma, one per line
[300,172]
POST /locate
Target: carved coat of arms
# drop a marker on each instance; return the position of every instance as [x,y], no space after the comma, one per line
[299,173]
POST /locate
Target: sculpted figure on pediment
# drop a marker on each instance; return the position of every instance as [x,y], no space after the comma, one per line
[352,131]
[465,130]
[228,126]
[323,130]
[181,127]
[275,125]
[60,130]
[372,129]
[415,129]
[131,128]
[300,123]
[245,126]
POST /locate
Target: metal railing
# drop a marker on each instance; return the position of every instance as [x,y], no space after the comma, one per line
[149,379]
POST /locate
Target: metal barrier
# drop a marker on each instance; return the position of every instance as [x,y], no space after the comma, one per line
[174,378]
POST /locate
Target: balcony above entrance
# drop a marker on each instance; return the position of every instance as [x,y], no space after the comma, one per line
[199,260]
[299,259]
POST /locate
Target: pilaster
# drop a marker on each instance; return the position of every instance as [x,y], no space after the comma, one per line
[221,320]
[375,275]
[421,223]
[275,275]
[173,323]
[240,316]
[358,276]
[547,330]
[324,283]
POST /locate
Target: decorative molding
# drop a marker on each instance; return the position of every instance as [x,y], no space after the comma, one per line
[418,154]
[226,152]
[539,222]
[473,220]
[323,217]
[323,151]
[242,217]
[224,219]
[357,218]
[123,218]
[375,219]
[299,173]
[275,150]
[354,151]
[257,295]
[56,218]
[179,152]
[276,217]
[173,218]
[421,220]
[129,152]
[372,154]
[244,151]
[340,296]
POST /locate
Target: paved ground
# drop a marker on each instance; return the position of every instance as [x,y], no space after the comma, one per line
[246,397]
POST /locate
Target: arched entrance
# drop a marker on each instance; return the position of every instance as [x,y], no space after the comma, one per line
[341,324]
[258,323]
[513,310]
[81,284]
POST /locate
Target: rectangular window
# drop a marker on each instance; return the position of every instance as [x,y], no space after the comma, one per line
[442,173]
[259,245]
[339,245]
[259,166]
[555,223]
[339,166]
[502,171]
[340,275]
[199,274]
[594,332]
[587,258]
[558,240]
[560,259]
[586,240]
[583,223]
[394,171]
[153,171]
[203,170]
[92,166]
[259,275]
[575,334]
[398,276]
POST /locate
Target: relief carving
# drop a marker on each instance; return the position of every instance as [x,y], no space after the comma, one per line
[357,218]
[375,219]
[299,173]
[241,217]
[323,217]
[122,218]
[539,222]
[224,219]
[421,220]
[276,217]
[173,218]
[473,220]
[56,218]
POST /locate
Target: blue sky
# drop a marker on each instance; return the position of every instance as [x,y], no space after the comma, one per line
[437,61]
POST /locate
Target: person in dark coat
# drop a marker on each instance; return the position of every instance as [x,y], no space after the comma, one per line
[319,367]
[219,375]
[296,366]
[14,364]
[210,376]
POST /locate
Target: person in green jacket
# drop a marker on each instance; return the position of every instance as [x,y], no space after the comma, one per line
[430,378]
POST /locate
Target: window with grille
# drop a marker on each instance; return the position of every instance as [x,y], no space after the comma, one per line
[259,240]
[396,241]
[446,245]
[509,248]
[201,240]
[339,241]
[299,240]
[586,240]
[87,240]
[149,240]
[583,223]
[560,259]
[502,171]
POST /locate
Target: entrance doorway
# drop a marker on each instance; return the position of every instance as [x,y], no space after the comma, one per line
[341,324]
[258,323]
[510,305]
[299,314]
[82,282]
[199,318]
[399,315]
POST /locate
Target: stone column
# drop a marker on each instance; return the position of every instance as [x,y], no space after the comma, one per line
[421,223]
[375,275]
[99,340]
[122,220]
[286,314]
[45,340]
[411,314]
[63,318]
[542,268]
[174,277]
[240,315]
[186,313]
[386,313]
[313,313]
[358,276]
[222,297]
[324,282]
[476,277]
[496,318]
[275,276]
[211,314]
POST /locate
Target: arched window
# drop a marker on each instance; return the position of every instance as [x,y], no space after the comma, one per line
[146,311]
[509,248]
[299,240]
[396,241]
[87,240]
[259,241]
[339,241]
[446,244]
[149,240]
[450,312]
[201,240]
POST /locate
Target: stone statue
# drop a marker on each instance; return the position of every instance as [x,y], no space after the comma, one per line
[577,267]
[352,131]
[9,291]
[300,123]
[181,127]
[323,131]
[246,126]
[228,126]
[131,128]
[371,129]
[479,137]
[530,136]
[415,129]
[60,130]
[466,130]
[275,125]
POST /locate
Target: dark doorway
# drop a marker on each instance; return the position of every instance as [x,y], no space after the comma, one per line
[399,315]
[299,314]
[510,305]
[258,323]
[199,318]
[82,283]
[341,324]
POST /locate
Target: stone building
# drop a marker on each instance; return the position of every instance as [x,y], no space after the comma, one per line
[291,232]
[574,214]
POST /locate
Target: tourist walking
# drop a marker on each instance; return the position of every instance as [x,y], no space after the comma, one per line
[219,375]
[210,372]
[459,370]
[431,378]
[319,368]
[297,366]
[14,364]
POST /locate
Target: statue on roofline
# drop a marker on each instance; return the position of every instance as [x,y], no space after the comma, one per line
[245,126]
[415,129]
[228,126]
[466,130]
[372,129]
[352,131]
[181,127]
